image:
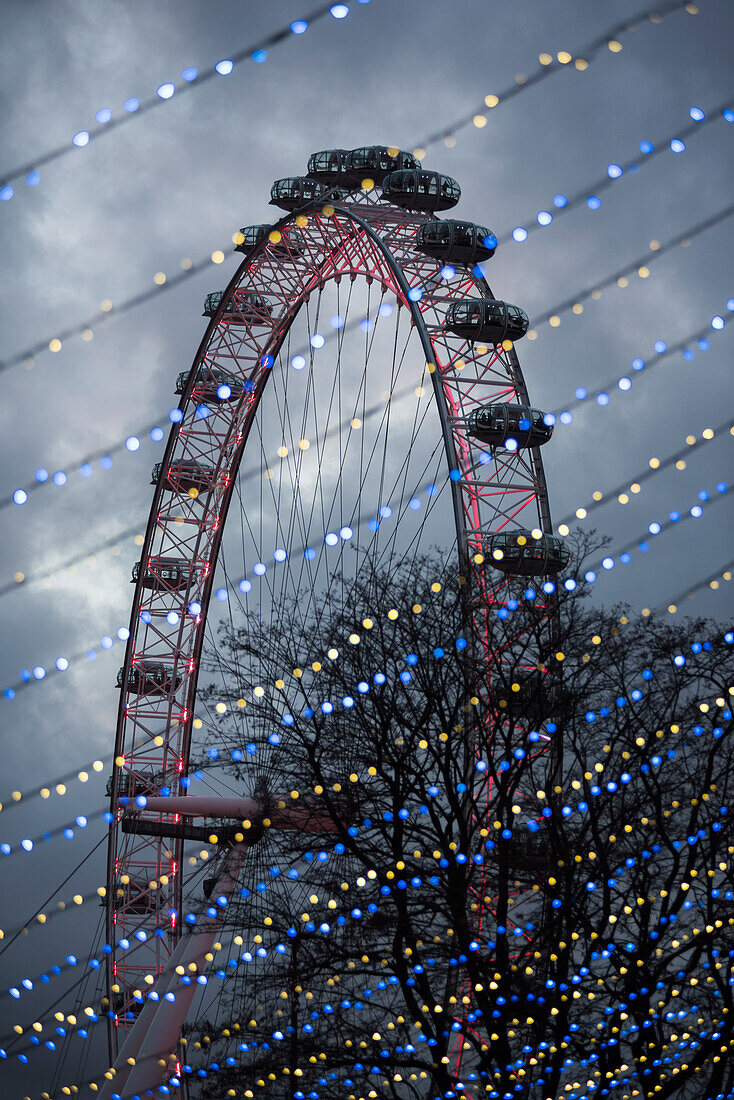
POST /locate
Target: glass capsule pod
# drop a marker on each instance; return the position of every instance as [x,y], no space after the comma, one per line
[498,423]
[244,307]
[184,476]
[375,161]
[455,242]
[290,244]
[148,677]
[210,382]
[486,319]
[295,191]
[418,189]
[164,574]
[329,166]
[518,552]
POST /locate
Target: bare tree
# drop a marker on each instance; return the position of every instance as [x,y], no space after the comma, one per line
[524,881]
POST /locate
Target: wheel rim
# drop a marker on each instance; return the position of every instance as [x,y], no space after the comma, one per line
[359,239]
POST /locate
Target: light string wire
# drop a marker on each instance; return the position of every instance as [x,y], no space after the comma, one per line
[192,78]
[663,351]
[163,282]
[599,500]
[589,196]
[634,484]
[713,581]
[581,59]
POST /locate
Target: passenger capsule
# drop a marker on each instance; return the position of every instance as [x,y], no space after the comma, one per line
[501,423]
[165,574]
[185,476]
[329,166]
[290,244]
[520,553]
[243,307]
[486,319]
[148,678]
[418,189]
[375,161]
[296,191]
[209,383]
[455,242]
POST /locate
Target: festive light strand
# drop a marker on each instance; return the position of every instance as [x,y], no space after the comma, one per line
[663,351]
[639,266]
[641,542]
[589,196]
[712,581]
[582,58]
[192,78]
[647,675]
[162,282]
[57,785]
[46,575]
[68,831]
[655,466]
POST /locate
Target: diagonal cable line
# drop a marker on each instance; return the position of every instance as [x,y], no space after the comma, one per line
[134,107]
[712,581]
[623,384]
[641,263]
[641,542]
[655,466]
[583,57]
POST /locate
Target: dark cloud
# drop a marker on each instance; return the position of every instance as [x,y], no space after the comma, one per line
[177,183]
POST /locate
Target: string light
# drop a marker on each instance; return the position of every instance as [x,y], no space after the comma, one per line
[191,78]
[581,58]
[662,351]
[712,581]
[655,466]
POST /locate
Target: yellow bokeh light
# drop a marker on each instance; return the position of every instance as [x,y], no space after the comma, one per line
[217,256]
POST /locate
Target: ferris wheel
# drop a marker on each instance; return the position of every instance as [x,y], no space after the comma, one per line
[355,397]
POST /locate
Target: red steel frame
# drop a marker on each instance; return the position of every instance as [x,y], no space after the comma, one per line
[357,237]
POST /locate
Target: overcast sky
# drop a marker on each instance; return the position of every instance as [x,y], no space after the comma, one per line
[177,182]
